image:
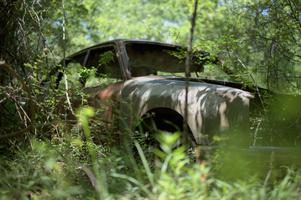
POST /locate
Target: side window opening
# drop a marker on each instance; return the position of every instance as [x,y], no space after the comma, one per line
[105,61]
[79,58]
[101,68]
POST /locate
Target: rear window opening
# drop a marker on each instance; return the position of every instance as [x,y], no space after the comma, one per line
[156,59]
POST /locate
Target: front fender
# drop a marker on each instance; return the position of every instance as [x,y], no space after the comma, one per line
[211,108]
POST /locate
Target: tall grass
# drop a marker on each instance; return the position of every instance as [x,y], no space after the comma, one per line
[72,166]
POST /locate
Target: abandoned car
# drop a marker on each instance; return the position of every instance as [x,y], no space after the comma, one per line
[140,83]
[144,84]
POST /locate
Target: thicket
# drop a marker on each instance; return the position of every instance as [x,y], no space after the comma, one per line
[44,157]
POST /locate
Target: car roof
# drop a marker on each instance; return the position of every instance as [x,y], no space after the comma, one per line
[125,41]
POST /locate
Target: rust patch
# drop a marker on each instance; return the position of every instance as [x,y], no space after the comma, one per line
[110,92]
[107,99]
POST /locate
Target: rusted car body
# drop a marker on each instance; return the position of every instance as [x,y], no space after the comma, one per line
[141,90]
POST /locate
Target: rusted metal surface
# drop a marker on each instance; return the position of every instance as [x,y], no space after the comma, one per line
[106,98]
[213,108]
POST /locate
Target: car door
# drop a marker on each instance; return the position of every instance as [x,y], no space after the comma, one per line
[103,87]
[94,79]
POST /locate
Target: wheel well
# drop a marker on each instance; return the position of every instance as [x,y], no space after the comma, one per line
[165,119]
[168,120]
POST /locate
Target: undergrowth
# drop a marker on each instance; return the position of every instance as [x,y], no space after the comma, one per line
[72,166]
